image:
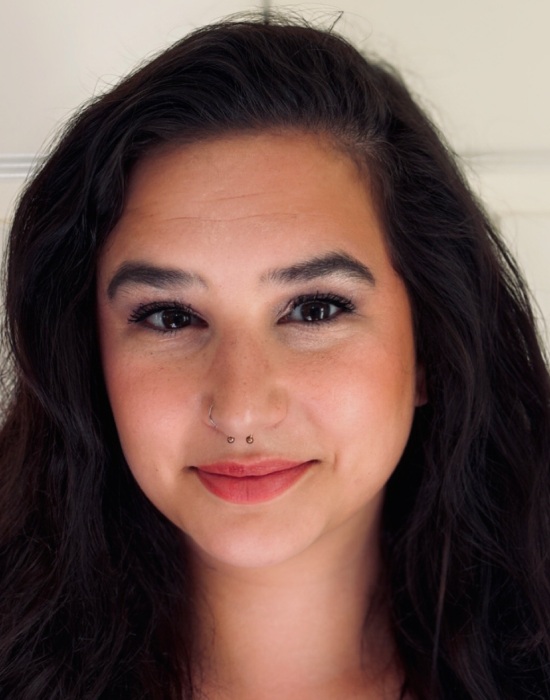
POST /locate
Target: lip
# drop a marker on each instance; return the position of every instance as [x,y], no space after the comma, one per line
[251,483]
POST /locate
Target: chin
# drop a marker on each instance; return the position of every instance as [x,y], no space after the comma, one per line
[247,547]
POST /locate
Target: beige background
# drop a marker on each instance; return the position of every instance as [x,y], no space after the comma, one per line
[479,66]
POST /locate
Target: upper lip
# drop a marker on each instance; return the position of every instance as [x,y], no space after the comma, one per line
[241,469]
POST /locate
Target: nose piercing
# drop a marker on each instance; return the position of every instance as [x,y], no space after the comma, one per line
[210,416]
[230,438]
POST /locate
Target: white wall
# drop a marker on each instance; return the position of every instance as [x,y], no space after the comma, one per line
[480,67]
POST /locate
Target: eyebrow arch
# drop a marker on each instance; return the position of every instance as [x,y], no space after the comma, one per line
[138,273]
[333,263]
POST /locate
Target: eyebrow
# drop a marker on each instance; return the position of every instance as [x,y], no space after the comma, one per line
[332,264]
[137,273]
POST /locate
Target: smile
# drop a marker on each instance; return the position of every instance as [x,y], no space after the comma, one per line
[250,483]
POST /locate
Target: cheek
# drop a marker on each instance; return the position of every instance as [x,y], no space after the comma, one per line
[364,383]
[369,411]
[153,407]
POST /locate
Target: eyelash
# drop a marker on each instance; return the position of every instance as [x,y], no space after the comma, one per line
[144,311]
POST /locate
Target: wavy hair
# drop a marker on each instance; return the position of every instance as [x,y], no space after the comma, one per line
[95,602]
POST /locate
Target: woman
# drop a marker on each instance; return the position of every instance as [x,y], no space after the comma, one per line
[279,418]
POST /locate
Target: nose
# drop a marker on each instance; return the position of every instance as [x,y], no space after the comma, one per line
[246,394]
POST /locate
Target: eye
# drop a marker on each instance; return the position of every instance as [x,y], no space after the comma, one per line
[169,319]
[165,317]
[317,308]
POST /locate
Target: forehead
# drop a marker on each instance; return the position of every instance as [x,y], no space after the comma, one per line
[258,193]
[245,165]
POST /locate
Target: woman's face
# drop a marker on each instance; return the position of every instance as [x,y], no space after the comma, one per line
[247,291]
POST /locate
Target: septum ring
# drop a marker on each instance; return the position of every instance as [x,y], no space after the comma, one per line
[230,438]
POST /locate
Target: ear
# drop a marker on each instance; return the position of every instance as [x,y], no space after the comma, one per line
[421,395]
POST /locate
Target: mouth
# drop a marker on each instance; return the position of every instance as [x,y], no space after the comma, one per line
[250,483]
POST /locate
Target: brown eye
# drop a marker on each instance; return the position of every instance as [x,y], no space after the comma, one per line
[318,309]
[170,319]
[165,317]
[313,311]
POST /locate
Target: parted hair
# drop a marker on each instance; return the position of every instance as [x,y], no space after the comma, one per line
[95,598]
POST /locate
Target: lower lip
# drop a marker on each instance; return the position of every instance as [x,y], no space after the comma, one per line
[251,489]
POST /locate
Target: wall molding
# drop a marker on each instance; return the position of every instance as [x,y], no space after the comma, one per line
[18,166]
[528,159]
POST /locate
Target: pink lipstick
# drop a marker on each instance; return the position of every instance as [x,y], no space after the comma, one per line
[250,483]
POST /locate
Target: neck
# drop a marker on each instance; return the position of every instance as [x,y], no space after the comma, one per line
[311,627]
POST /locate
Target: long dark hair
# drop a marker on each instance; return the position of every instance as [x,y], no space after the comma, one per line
[94,597]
